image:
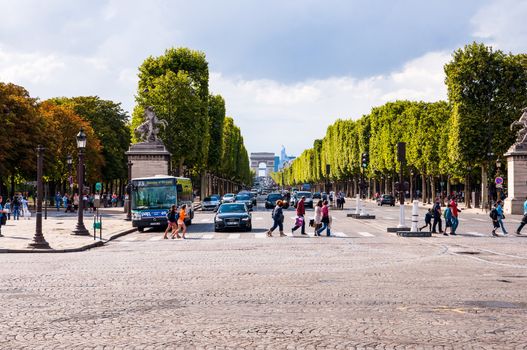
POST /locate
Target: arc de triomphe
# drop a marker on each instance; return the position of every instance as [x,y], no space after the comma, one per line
[262,157]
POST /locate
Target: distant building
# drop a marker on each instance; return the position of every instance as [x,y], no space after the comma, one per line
[276,163]
[285,160]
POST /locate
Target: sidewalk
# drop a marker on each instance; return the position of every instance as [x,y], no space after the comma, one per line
[57,231]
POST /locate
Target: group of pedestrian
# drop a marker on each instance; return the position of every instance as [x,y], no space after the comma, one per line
[450,214]
[340,200]
[321,220]
[176,221]
[16,206]
[497,215]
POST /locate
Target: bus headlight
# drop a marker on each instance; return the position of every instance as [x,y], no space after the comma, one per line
[136,216]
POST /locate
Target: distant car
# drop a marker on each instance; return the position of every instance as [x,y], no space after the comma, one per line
[228,198]
[232,216]
[244,199]
[317,195]
[386,199]
[210,203]
[308,203]
[272,198]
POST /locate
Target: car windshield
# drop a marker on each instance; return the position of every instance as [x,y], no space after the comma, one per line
[228,195]
[232,208]
[274,197]
[303,194]
[214,197]
[243,197]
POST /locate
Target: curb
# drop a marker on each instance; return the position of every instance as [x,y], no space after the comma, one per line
[72,250]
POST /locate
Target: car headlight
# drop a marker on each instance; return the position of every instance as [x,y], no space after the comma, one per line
[245,219]
[218,219]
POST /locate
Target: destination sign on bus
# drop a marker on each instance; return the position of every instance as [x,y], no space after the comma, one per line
[155,182]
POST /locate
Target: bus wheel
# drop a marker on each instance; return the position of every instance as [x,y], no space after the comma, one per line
[141,229]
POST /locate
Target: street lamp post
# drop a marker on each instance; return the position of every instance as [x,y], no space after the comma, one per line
[80,229]
[69,161]
[129,192]
[468,194]
[38,240]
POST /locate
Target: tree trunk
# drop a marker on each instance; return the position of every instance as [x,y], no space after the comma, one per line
[424,187]
[433,189]
[484,188]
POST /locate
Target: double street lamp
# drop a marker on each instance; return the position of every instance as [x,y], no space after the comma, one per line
[80,229]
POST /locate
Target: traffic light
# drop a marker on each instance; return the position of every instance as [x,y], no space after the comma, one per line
[365,159]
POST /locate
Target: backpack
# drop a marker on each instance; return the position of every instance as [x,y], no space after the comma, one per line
[493,214]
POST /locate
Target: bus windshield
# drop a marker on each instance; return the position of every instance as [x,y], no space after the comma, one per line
[154,194]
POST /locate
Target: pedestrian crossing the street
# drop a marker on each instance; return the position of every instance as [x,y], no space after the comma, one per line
[262,235]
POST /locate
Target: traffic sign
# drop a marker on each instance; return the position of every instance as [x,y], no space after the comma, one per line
[498,180]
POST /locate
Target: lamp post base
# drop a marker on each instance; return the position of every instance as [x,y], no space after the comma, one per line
[40,244]
[80,230]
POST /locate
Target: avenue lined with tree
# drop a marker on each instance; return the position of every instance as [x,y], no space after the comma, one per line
[447,142]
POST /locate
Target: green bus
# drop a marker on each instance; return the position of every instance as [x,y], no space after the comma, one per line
[152,197]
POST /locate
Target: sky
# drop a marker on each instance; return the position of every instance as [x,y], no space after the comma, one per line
[286,69]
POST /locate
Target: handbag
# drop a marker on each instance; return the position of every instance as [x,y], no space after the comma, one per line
[312,223]
[299,221]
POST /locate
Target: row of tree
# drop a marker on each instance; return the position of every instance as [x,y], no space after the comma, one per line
[27,122]
[198,134]
[454,139]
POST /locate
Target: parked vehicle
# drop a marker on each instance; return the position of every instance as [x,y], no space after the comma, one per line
[233,216]
[317,195]
[386,199]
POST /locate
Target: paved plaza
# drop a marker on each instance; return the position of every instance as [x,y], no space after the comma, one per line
[365,288]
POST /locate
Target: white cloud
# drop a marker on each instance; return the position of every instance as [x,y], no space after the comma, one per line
[271,113]
[502,24]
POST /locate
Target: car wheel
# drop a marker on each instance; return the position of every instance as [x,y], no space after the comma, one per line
[141,229]
[248,229]
[216,229]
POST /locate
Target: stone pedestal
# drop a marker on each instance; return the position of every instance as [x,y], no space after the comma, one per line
[149,159]
[516,178]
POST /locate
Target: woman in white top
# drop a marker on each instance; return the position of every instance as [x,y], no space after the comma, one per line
[318,217]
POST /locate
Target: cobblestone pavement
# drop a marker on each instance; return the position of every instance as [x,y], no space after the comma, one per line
[365,289]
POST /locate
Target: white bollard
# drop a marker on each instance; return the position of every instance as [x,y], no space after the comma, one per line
[363,211]
[415,216]
[357,204]
[401,216]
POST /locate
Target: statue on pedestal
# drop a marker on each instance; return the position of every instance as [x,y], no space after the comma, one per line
[521,137]
[149,129]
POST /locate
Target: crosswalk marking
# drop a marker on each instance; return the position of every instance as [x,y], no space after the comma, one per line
[260,235]
[479,219]
[477,234]
[156,238]
[339,234]
[208,236]
[234,236]
[257,218]
[206,220]
[365,234]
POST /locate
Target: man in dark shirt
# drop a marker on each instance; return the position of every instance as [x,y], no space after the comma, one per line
[437,216]
[300,212]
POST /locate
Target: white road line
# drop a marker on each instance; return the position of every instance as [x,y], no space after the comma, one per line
[207,236]
[339,234]
[206,220]
[260,235]
[388,218]
[365,234]
[334,218]
[479,219]
[234,236]
[477,234]
[257,218]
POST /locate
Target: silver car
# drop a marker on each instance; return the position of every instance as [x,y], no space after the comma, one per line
[308,203]
[228,198]
[210,203]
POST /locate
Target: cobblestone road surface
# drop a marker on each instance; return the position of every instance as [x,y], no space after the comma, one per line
[365,289]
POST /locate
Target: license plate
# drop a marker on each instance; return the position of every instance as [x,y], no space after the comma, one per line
[155,223]
[232,224]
